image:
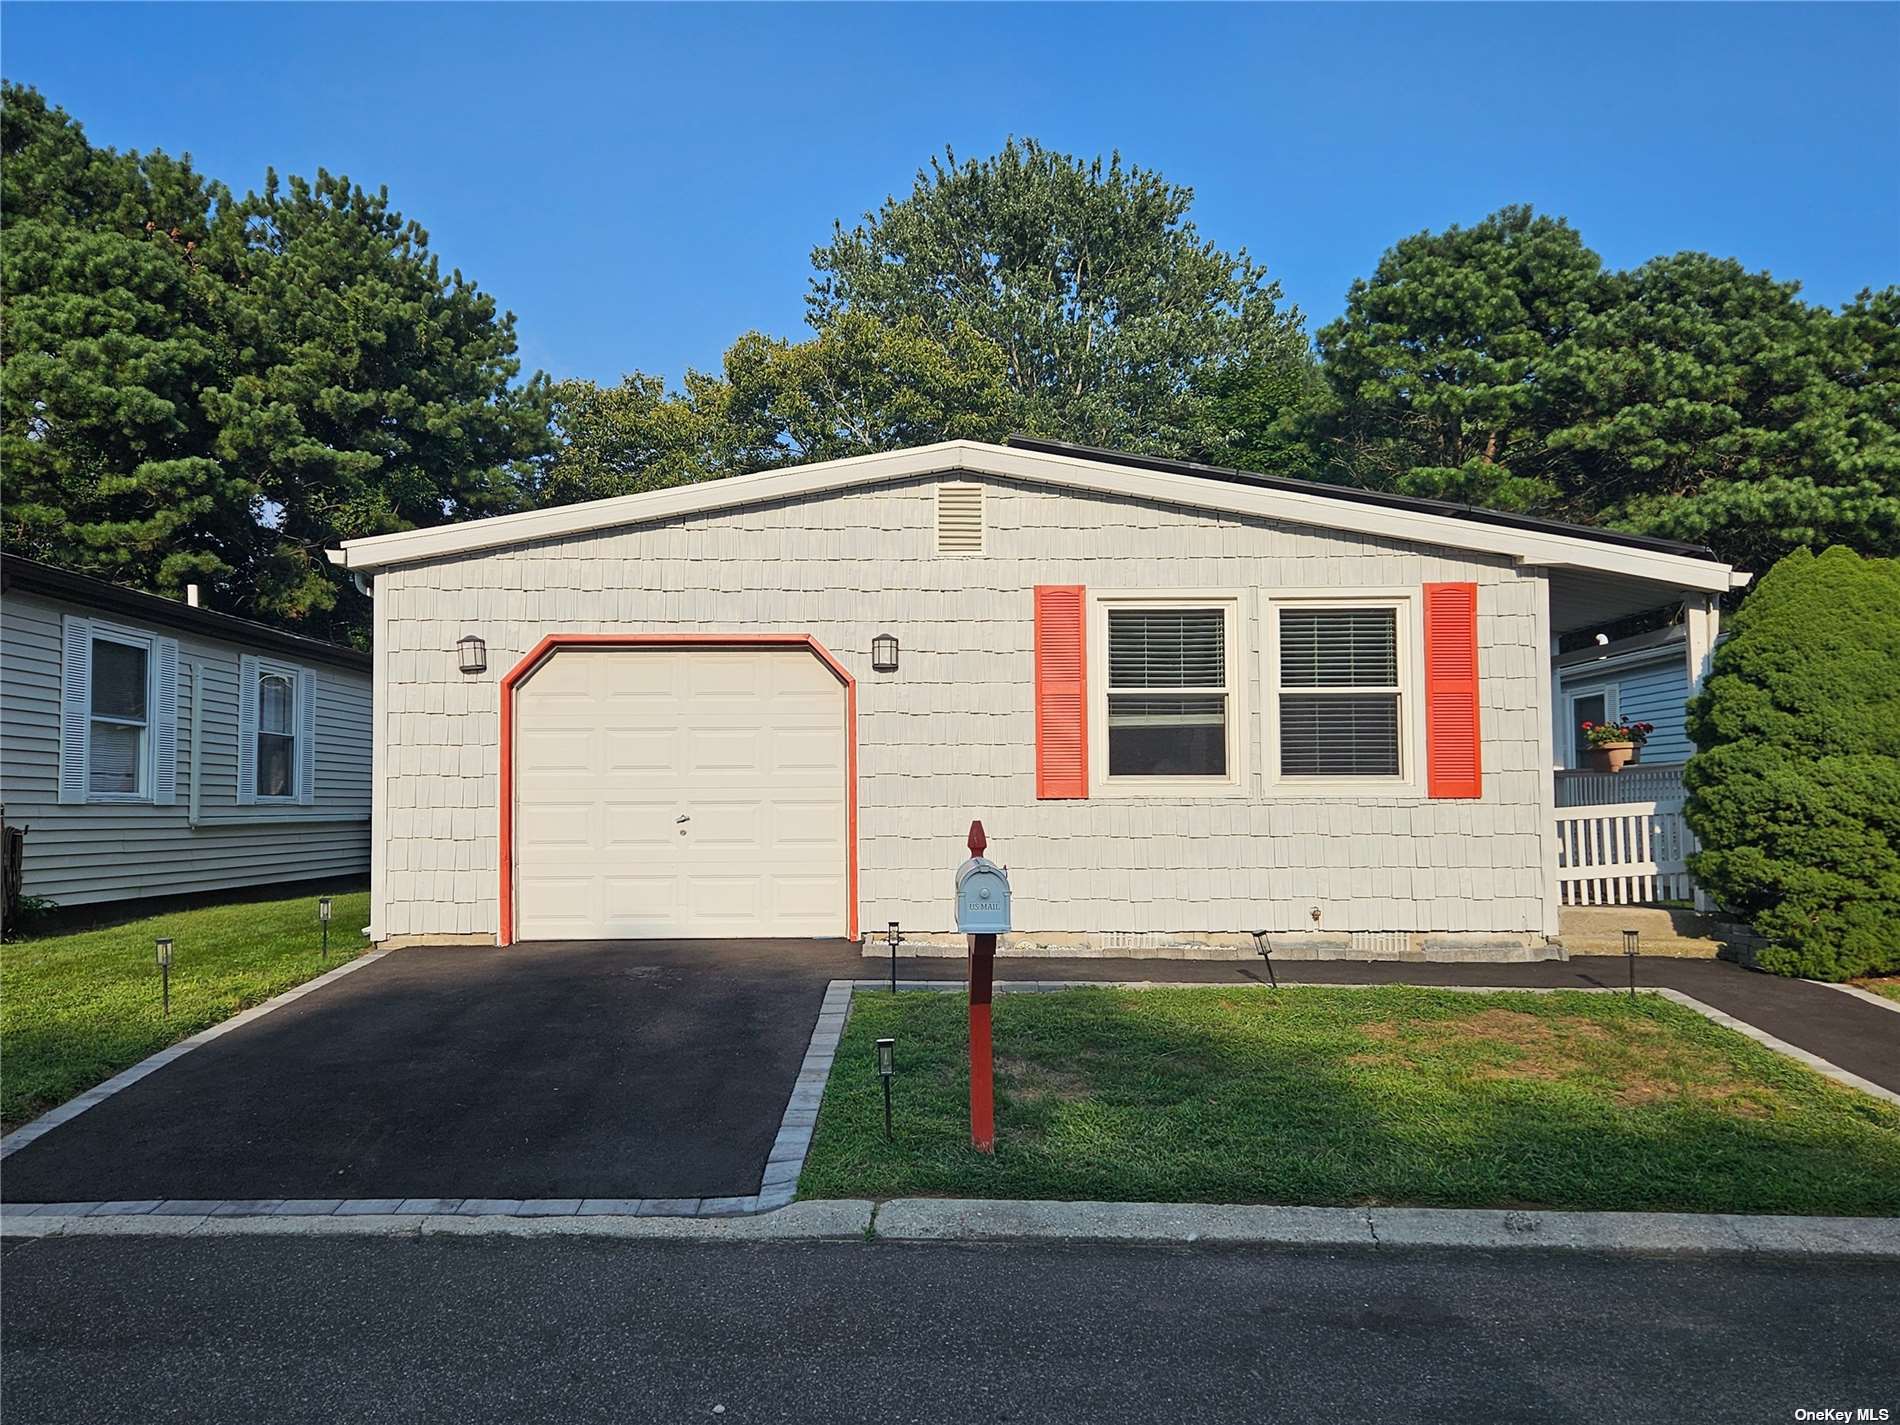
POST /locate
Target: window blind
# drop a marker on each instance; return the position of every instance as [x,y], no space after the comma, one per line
[1167,648]
[1339,648]
[1333,736]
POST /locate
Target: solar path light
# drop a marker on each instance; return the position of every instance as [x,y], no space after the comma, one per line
[886,1066]
[1266,953]
[1631,943]
[323,915]
[896,938]
[165,972]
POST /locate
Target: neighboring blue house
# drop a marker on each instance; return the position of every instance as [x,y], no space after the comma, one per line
[1644,679]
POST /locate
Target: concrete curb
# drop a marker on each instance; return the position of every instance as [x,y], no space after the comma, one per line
[927,1220]
[1868,996]
[125,1078]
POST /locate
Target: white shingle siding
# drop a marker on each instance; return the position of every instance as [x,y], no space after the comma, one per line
[88,853]
[950,736]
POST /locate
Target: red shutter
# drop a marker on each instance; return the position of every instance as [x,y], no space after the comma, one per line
[1453,767]
[1062,707]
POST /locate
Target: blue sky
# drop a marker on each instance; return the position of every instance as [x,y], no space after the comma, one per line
[640,184]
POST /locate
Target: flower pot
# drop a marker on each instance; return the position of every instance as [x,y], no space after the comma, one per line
[1609,756]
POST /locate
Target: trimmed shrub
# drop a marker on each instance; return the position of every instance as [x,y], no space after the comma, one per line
[1794,789]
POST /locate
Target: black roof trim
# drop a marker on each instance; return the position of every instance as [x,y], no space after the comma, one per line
[35,577]
[1353,495]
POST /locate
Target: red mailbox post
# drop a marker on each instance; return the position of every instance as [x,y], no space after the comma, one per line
[982,956]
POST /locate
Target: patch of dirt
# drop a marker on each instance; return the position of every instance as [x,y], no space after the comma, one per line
[1038,1083]
[1637,1065]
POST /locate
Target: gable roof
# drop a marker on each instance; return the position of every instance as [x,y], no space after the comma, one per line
[1526,540]
[31,576]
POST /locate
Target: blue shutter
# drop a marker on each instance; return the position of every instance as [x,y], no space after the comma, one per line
[247,731]
[75,708]
[165,724]
[306,736]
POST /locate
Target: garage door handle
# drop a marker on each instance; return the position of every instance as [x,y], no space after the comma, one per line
[681,820]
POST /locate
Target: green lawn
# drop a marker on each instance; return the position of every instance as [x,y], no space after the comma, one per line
[1387,1095]
[1885,985]
[77,1008]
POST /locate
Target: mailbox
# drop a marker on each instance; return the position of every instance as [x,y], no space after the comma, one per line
[982,897]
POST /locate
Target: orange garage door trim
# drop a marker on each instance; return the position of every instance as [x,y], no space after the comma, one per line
[540,870]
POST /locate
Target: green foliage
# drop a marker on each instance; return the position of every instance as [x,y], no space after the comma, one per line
[200,387]
[1710,403]
[1108,308]
[1795,786]
[1440,365]
[620,440]
[113,327]
[1689,398]
[863,384]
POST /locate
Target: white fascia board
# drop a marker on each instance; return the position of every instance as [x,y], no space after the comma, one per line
[1528,547]
[410,546]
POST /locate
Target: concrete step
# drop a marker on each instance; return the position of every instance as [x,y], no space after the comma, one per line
[1662,930]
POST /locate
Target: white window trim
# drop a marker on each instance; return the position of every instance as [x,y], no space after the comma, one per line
[148,755]
[1612,710]
[1238,779]
[292,674]
[1411,658]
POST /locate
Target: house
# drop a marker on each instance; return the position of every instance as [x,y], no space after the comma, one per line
[156,748]
[1185,702]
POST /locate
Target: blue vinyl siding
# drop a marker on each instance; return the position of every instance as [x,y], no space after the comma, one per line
[1648,692]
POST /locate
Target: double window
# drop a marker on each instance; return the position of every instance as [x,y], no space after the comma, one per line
[118,762]
[1168,706]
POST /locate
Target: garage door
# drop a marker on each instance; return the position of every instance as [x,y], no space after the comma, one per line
[674,792]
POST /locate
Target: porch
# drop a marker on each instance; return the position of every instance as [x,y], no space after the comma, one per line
[1621,837]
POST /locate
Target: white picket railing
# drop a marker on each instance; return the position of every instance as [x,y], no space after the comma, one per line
[1659,782]
[1624,853]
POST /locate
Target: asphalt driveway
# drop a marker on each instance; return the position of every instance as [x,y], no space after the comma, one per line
[587,1069]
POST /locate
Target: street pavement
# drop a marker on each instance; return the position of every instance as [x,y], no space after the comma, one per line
[248,1329]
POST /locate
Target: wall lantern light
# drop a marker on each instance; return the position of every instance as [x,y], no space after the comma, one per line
[472,654]
[884,653]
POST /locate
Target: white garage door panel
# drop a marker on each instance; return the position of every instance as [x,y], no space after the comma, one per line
[615,746]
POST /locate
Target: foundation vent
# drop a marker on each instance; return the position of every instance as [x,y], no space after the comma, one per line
[959,519]
[1381,942]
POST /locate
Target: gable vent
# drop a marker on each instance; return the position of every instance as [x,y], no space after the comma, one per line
[959,519]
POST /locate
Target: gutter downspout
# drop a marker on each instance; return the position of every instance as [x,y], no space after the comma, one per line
[197,668]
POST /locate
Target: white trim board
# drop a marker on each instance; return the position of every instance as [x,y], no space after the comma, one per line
[1544,548]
